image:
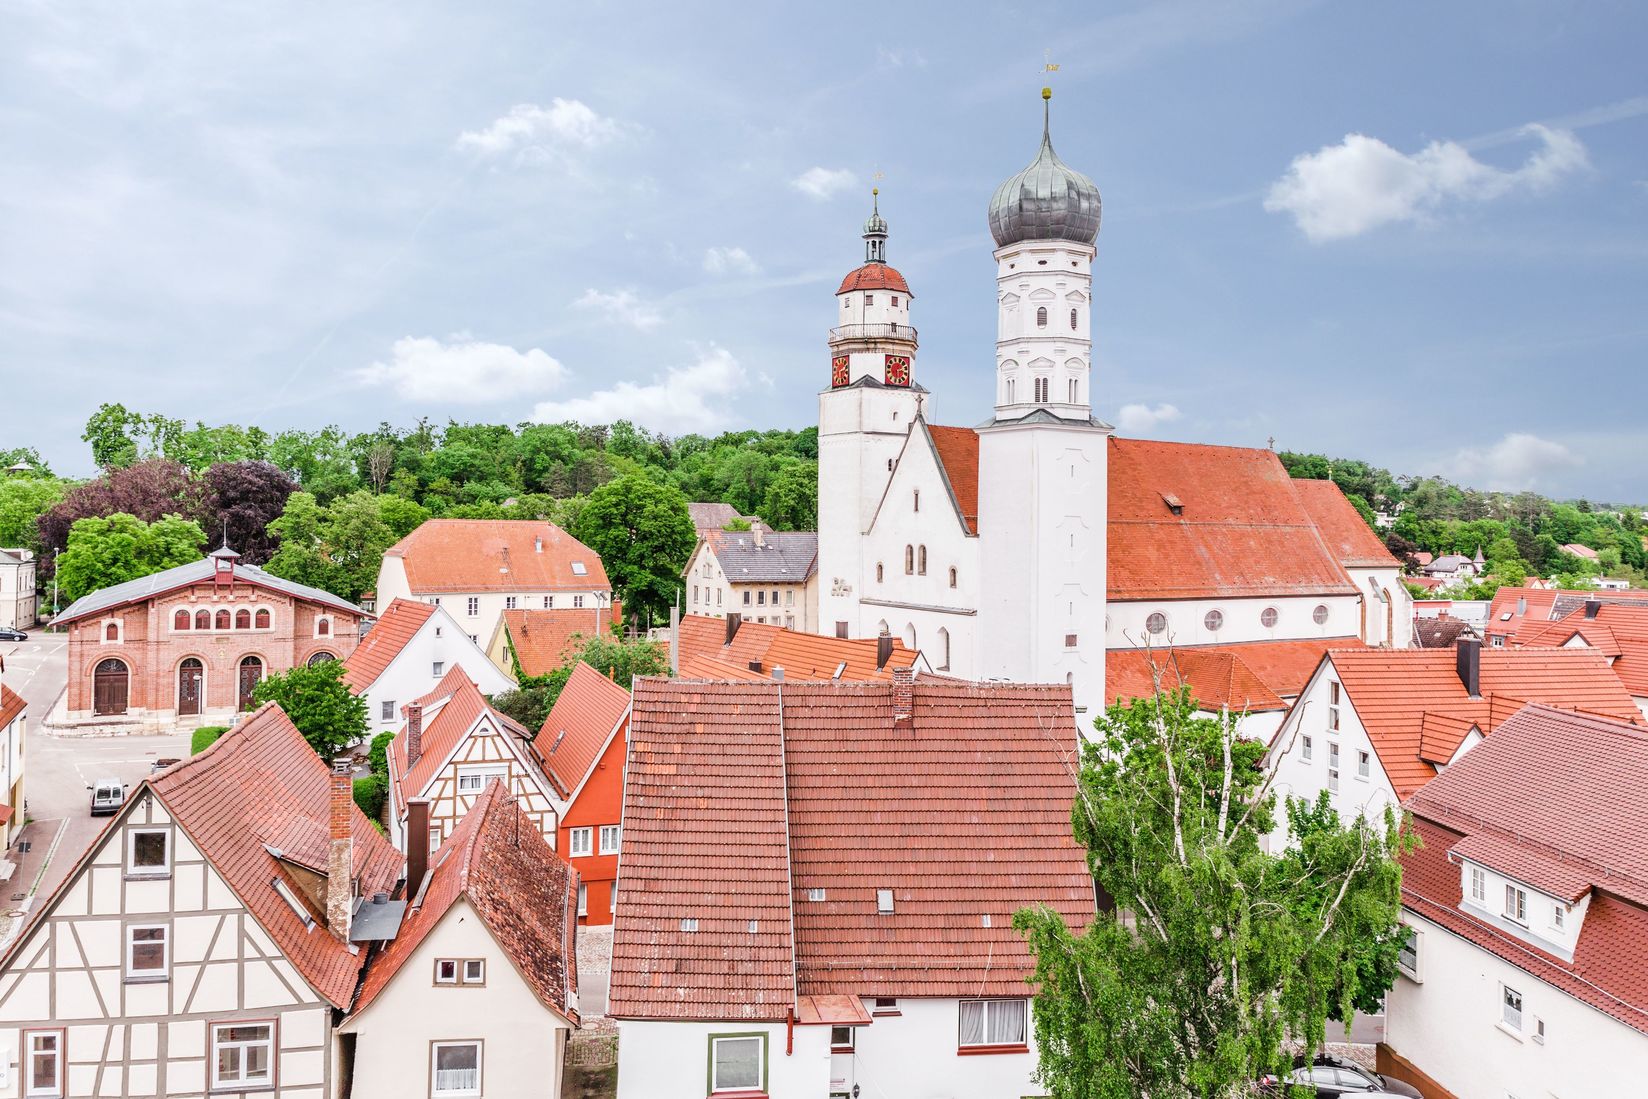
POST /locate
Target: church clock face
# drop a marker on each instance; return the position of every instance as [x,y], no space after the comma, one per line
[840,372]
[897,370]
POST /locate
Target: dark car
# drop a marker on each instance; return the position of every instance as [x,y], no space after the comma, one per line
[9,634]
[1333,1077]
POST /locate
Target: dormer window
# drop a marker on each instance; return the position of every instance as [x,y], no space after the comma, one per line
[1479,885]
[1559,915]
[1516,904]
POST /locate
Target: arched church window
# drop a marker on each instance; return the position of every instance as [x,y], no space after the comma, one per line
[952,576]
[1072,391]
[1213,620]
[909,560]
[918,499]
[1041,390]
[1268,617]
[203,619]
[243,619]
[111,631]
[1156,623]
[1009,390]
[180,620]
[1072,320]
[943,649]
[1041,316]
[910,636]
[262,619]
[921,561]
[222,622]
[879,572]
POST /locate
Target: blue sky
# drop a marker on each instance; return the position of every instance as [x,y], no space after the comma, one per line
[1411,233]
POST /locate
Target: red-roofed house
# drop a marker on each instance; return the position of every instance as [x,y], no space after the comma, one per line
[479,568]
[757,650]
[537,642]
[581,748]
[1618,631]
[14,720]
[202,943]
[1527,970]
[478,989]
[778,934]
[406,652]
[1374,725]
[452,745]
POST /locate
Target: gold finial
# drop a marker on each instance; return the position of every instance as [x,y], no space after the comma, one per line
[1047,93]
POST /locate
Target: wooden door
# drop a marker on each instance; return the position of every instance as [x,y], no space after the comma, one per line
[190,678]
[110,688]
[251,673]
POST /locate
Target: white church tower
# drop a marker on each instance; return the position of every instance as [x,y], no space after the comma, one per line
[863,419]
[1042,456]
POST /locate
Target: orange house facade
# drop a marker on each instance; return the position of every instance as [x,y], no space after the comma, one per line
[191,643]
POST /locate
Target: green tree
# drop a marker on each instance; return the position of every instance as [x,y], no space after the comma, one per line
[302,556]
[612,656]
[23,500]
[326,712]
[792,498]
[121,547]
[644,535]
[112,432]
[1216,957]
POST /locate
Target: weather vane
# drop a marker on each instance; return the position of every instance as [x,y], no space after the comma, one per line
[1048,65]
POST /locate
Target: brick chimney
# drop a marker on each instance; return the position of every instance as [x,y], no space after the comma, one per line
[904,698]
[884,650]
[340,853]
[1468,662]
[414,734]
[417,845]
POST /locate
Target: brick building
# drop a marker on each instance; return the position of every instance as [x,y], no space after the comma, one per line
[190,643]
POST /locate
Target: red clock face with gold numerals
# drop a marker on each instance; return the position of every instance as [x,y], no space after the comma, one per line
[840,373]
[897,370]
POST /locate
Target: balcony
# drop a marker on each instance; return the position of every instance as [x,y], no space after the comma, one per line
[850,333]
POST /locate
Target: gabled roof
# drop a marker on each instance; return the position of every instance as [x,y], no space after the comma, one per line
[11,704]
[258,785]
[195,572]
[1394,690]
[743,798]
[498,861]
[504,555]
[1618,631]
[541,638]
[715,516]
[1348,536]
[393,631]
[957,450]
[767,557]
[1251,675]
[463,706]
[1515,610]
[578,726]
[801,655]
[1440,632]
[1540,800]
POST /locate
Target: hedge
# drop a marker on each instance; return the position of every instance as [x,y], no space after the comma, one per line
[371,793]
[204,737]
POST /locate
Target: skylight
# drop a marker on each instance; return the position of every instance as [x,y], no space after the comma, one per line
[297,906]
[689,924]
[815,894]
[884,902]
[578,568]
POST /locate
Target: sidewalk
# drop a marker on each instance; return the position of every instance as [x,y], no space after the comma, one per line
[17,893]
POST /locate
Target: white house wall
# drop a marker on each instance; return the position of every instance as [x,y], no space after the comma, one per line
[486,749]
[412,673]
[1450,1027]
[670,1060]
[522,1040]
[1187,620]
[914,1055]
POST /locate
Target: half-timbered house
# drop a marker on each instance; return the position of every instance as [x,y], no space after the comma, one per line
[202,944]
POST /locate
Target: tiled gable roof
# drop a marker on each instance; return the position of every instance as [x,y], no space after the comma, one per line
[464,555]
[443,731]
[1251,675]
[1540,801]
[578,726]
[801,655]
[392,632]
[524,893]
[1618,631]
[1347,534]
[1393,690]
[957,450]
[1440,632]
[11,705]
[742,798]
[247,791]
[874,276]
[767,557]
[195,572]
[541,638]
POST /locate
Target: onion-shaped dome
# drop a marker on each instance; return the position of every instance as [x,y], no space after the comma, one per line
[1049,200]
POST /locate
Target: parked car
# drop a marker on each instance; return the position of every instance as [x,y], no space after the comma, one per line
[1333,1077]
[9,634]
[108,794]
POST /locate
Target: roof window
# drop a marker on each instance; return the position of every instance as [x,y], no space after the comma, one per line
[884,902]
[689,924]
[578,569]
[1174,504]
[815,894]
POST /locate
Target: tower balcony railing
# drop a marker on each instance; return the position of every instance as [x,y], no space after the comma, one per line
[849,332]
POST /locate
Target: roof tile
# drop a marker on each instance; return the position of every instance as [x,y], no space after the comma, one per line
[511,555]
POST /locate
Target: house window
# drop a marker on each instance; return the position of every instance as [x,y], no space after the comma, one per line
[761,599]
[221,622]
[43,1063]
[885,1005]
[455,1068]
[1156,623]
[203,620]
[1320,614]
[437,668]
[146,952]
[323,627]
[1041,316]
[921,560]
[1306,748]
[1333,766]
[718,596]
[111,631]
[509,602]
[884,902]
[738,1062]
[789,597]
[1407,958]
[1213,620]
[474,971]
[243,619]
[579,841]
[815,894]
[577,601]
[1498,642]
[1333,705]
[549,602]
[909,560]
[869,299]
[386,710]
[1479,885]
[446,971]
[435,837]
[260,620]
[746,598]
[473,782]
[1511,1011]
[1268,617]
[180,620]
[148,852]
[1070,641]
[992,1023]
[242,1053]
[474,606]
[1363,764]
[583,899]
[918,499]
[1516,904]
[695,595]
[609,839]
[1559,915]
[841,1039]
[455,971]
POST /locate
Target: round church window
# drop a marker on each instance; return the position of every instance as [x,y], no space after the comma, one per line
[1320,614]
[1213,620]
[1156,623]
[1268,617]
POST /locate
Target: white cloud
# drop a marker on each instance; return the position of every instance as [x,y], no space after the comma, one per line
[732,260]
[462,370]
[1518,461]
[622,306]
[684,399]
[823,183]
[1142,417]
[563,125]
[1361,183]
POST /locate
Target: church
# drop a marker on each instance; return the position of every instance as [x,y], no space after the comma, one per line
[1030,546]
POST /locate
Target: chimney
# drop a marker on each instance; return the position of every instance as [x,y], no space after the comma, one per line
[884,650]
[1468,661]
[414,734]
[1521,604]
[1592,607]
[778,673]
[417,844]
[340,853]
[734,620]
[904,698]
[755,666]
[675,639]
[758,535]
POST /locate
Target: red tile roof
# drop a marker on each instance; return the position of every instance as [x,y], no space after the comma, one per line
[957,451]
[579,725]
[1618,631]
[524,894]
[985,832]
[874,276]
[1393,691]
[398,624]
[541,638]
[461,555]
[1252,675]
[1540,800]
[801,655]
[461,705]
[1346,533]
[11,704]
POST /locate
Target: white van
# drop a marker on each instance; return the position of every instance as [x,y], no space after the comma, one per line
[107,796]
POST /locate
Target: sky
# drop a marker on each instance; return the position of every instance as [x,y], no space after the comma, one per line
[1412,233]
